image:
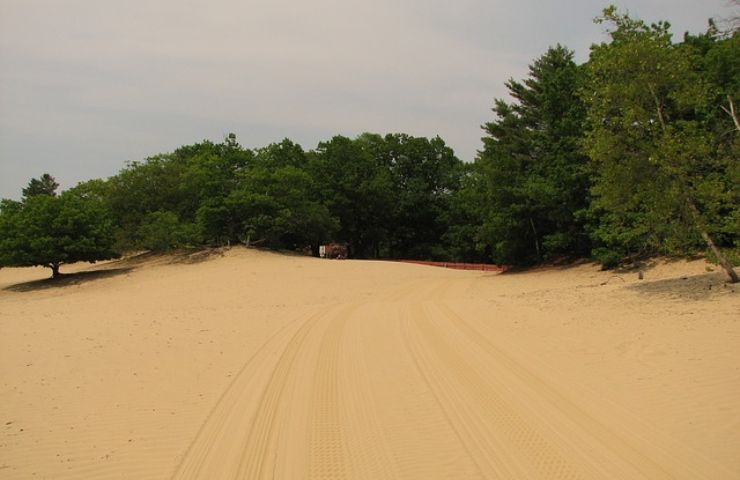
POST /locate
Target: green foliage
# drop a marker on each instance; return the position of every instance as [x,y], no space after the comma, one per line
[192,183]
[215,222]
[650,136]
[533,176]
[425,173]
[45,185]
[732,254]
[356,189]
[464,239]
[50,231]
[140,189]
[419,175]
[162,231]
[633,153]
[277,203]
[270,199]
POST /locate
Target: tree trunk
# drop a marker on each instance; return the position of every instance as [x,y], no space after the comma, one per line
[658,107]
[692,206]
[536,240]
[705,235]
[316,249]
[732,112]
[54,270]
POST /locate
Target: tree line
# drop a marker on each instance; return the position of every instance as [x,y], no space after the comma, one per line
[631,154]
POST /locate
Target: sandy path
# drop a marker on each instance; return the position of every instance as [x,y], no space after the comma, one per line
[255,365]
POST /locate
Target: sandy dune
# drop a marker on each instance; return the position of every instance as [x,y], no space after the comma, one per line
[255,365]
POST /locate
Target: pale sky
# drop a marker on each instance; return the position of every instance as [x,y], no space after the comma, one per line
[87,85]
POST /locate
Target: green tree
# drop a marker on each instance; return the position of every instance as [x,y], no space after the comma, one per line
[51,231]
[277,201]
[464,239]
[273,209]
[161,231]
[212,172]
[424,174]
[535,178]
[142,188]
[44,185]
[655,160]
[715,56]
[268,197]
[192,183]
[357,190]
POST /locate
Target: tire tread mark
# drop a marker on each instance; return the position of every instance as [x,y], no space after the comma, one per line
[375,454]
[424,371]
[597,430]
[503,428]
[327,449]
[254,462]
[203,444]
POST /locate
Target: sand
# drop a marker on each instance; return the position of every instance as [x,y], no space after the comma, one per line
[254,365]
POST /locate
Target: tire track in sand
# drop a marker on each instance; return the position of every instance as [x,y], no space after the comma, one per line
[609,447]
[327,452]
[231,441]
[239,438]
[335,404]
[367,441]
[497,436]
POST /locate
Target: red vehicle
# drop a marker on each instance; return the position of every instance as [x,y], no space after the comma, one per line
[333,250]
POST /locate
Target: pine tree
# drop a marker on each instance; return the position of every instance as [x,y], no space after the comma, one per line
[535,177]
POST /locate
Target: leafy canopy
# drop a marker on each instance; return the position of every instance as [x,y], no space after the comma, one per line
[50,231]
[45,185]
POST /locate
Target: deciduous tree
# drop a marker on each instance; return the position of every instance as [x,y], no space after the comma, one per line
[654,157]
[51,231]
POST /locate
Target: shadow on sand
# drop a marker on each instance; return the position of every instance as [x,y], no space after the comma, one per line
[121,267]
[67,279]
[180,256]
[694,287]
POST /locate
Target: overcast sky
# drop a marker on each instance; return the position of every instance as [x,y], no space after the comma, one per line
[87,85]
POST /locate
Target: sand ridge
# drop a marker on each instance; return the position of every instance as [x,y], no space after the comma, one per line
[247,364]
